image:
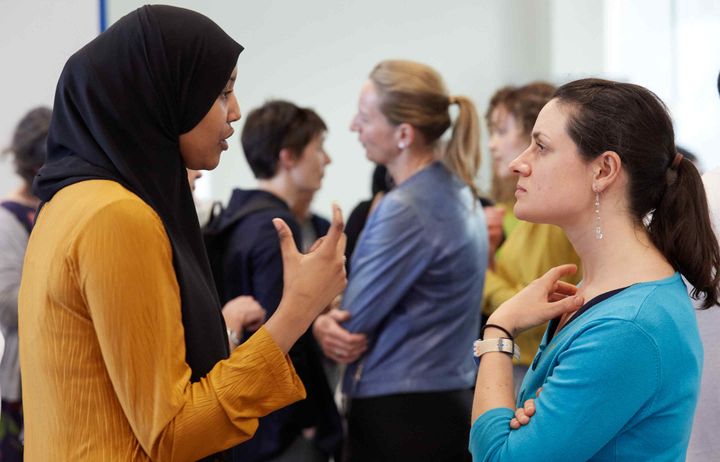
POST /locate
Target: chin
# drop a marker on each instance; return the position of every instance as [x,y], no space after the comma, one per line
[211,162]
[524,213]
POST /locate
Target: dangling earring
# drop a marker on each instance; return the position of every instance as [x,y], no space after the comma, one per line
[598,227]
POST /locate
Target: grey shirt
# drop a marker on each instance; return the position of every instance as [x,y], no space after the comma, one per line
[13,241]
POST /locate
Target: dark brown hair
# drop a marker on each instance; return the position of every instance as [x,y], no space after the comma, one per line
[29,143]
[633,122]
[274,126]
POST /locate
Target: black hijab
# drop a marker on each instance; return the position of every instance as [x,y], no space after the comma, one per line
[120,105]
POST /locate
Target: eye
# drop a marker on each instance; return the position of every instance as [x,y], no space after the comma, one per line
[541,148]
[225,94]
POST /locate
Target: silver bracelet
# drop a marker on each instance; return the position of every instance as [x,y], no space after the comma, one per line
[233,337]
[502,345]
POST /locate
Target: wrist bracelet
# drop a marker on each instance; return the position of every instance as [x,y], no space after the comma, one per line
[502,345]
[233,337]
[500,328]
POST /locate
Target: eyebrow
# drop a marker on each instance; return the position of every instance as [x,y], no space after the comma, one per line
[536,135]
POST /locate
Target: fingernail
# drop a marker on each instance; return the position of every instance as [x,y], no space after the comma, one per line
[276,223]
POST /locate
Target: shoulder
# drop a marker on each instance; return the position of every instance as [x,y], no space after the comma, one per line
[110,214]
[658,309]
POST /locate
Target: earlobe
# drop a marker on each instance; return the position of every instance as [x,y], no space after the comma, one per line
[606,170]
[406,135]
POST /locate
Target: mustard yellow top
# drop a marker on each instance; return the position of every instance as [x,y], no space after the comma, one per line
[102,348]
[527,253]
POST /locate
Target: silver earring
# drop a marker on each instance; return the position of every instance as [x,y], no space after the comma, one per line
[598,226]
[401,146]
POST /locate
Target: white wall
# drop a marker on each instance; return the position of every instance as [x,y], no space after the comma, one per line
[577,39]
[317,53]
[36,38]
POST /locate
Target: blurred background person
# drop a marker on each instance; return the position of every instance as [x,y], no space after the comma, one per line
[284,146]
[527,250]
[382,182]
[416,273]
[17,216]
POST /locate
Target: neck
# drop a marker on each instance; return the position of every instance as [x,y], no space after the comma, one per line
[24,195]
[409,162]
[624,256]
[301,208]
[279,186]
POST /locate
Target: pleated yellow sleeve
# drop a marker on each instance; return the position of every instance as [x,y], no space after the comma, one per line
[102,346]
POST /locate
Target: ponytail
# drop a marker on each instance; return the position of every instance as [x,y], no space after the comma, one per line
[462,155]
[681,229]
[414,93]
[633,122]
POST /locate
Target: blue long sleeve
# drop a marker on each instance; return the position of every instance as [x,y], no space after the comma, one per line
[619,383]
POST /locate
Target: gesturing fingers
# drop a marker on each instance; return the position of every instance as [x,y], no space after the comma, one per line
[565,305]
[565,288]
[316,244]
[337,226]
[287,244]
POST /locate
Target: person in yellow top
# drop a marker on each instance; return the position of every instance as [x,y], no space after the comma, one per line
[528,250]
[123,349]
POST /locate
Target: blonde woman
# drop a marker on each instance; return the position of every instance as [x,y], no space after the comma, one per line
[416,274]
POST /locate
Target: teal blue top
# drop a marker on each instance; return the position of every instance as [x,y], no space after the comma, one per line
[620,382]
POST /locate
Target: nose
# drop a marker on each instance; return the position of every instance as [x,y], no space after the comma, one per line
[234,109]
[326,158]
[492,143]
[354,124]
[519,165]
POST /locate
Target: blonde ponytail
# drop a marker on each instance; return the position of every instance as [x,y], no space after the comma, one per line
[414,93]
[462,155]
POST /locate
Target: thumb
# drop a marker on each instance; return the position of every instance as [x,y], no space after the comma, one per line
[287,243]
[340,315]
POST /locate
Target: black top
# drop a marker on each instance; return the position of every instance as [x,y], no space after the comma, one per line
[24,214]
[121,104]
[253,266]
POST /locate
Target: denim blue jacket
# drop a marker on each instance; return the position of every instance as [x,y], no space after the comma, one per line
[416,286]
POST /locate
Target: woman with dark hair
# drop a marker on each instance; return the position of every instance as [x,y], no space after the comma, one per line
[617,375]
[124,353]
[17,215]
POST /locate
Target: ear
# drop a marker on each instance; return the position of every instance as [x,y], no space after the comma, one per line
[405,135]
[287,159]
[606,169]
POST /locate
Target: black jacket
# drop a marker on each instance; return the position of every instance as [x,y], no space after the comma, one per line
[252,266]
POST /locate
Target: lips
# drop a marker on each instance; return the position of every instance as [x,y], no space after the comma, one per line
[224,143]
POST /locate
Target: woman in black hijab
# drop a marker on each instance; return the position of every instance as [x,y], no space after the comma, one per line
[123,346]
